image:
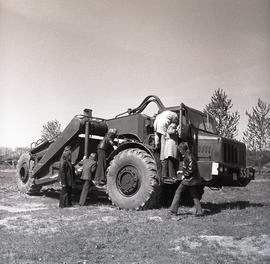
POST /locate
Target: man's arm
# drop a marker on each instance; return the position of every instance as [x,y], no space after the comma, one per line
[112,143]
[93,167]
[63,169]
[189,167]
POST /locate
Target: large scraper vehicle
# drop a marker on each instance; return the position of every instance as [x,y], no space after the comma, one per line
[134,179]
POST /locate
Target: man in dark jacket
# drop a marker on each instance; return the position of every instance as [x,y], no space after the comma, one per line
[104,148]
[191,181]
[88,173]
[66,175]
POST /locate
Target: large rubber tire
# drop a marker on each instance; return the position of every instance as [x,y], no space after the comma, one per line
[24,180]
[132,181]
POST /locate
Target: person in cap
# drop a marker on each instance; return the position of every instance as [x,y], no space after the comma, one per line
[104,148]
[66,176]
[88,173]
[191,181]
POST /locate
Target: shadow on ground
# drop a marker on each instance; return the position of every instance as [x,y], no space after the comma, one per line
[100,197]
[94,196]
[214,208]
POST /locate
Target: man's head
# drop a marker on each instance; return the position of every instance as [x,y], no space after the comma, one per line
[67,153]
[183,147]
[172,126]
[67,148]
[93,156]
[113,131]
[175,119]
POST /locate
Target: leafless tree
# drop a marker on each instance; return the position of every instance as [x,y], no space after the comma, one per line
[51,129]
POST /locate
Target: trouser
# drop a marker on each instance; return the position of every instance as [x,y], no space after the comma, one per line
[65,197]
[84,192]
[171,167]
[160,143]
[177,197]
[168,167]
[162,146]
[101,166]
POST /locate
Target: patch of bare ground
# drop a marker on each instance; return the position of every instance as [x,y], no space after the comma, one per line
[34,230]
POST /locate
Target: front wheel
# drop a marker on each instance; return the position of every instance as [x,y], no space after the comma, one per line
[132,181]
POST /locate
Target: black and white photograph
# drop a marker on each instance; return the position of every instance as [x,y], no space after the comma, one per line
[134,131]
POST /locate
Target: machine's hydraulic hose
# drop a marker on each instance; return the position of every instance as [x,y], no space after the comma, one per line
[143,105]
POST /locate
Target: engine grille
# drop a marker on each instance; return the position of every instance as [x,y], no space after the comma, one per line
[234,153]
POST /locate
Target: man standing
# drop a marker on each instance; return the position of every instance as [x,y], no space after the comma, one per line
[171,151]
[191,181]
[88,173]
[104,148]
[162,121]
[66,175]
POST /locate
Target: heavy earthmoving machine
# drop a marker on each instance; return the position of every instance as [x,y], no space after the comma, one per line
[134,179]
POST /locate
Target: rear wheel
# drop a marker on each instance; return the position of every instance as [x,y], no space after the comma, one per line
[25,182]
[132,181]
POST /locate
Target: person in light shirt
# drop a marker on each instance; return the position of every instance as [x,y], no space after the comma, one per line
[161,123]
[171,151]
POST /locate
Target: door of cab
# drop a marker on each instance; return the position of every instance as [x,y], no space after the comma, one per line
[187,131]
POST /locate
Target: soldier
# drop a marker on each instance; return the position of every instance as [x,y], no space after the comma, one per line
[191,181]
[104,148]
[66,175]
[88,173]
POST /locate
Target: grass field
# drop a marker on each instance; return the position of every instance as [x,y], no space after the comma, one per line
[33,229]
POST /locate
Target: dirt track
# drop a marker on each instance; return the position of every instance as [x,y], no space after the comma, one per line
[34,230]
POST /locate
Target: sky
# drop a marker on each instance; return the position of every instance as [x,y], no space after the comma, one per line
[58,57]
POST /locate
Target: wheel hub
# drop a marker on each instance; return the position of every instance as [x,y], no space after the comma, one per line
[127,180]
[24,173]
